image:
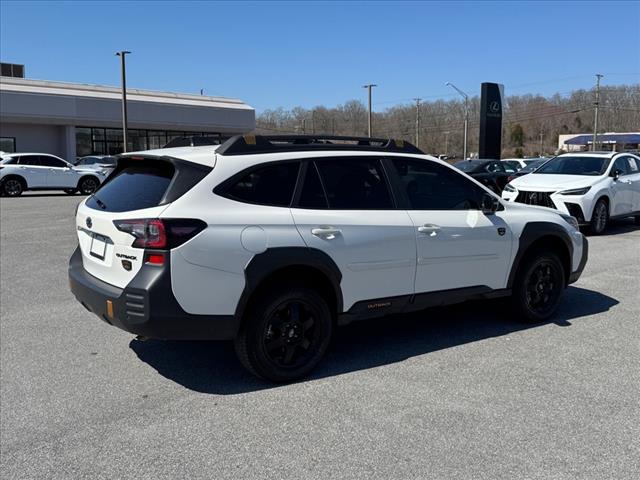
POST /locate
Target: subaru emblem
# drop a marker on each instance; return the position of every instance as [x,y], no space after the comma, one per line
[89,222]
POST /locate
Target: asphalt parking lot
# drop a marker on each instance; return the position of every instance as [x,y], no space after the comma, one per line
[461,392]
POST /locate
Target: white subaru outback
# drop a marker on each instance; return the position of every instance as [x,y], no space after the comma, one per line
[273,241]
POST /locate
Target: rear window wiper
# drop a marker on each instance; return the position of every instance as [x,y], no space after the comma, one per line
[100,203]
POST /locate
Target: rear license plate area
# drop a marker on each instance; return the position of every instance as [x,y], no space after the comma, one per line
[98,246]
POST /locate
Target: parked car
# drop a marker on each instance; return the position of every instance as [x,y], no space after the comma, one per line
[274,241]
[192,141]
[97,162]
[515,166]
[523,162]
[493,174]
[592,187]
[531,167]
[41,171]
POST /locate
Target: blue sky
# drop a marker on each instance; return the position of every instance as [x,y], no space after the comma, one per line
[293,53]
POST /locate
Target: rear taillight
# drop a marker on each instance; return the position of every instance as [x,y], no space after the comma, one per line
[511,177]
[160,233]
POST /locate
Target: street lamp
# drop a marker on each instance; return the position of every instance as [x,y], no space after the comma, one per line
[466,115]
[122,54]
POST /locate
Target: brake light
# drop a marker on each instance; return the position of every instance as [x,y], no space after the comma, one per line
[159,233]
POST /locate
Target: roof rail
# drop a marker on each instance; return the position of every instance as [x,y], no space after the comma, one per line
[249,144]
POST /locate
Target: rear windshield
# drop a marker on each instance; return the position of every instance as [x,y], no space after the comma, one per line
[133,188]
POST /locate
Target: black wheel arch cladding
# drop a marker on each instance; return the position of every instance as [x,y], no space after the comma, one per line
[276,259]
[540,231]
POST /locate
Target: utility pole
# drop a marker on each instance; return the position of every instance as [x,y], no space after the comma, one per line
[417,122]
[304,126]
[541,141]
[369,87]
[595,120]
[123,71]
[466,116]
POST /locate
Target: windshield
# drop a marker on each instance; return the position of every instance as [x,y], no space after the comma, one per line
[531,166]
[467,166]
[575,166]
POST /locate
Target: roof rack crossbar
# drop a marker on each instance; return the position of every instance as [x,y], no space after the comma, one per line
[253,144]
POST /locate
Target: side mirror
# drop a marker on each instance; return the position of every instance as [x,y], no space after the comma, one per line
[490,204]
[616,173]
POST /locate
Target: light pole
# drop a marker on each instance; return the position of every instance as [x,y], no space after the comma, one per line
[417,122]
[369,86]
[466,115]
[595,120]
[123,70]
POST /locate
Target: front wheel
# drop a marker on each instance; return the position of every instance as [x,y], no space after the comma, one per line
[599,217]
[88,185]
[538,286]
[285,334]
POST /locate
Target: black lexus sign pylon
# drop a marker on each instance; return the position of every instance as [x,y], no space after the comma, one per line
[491,121]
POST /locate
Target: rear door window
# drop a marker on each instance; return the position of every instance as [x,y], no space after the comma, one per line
[355,183]
[31,160]
[47,161]
[312,195]
[134,188]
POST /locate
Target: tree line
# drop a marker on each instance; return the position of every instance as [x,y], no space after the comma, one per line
[531,123]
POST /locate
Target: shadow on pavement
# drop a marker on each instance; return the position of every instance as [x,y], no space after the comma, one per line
[211,367]
[616,227]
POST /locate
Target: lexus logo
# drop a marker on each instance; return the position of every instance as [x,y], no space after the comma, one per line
[533,197]
[89,222]
[494,107]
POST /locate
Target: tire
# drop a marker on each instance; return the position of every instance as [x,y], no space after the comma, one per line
[538,286]
[13,187]
[636,220]
[70,191]
[285,334]
[88,185]
[599,217]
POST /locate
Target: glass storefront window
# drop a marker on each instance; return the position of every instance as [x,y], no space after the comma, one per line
[7,144]
[109,141]
[136,140]
[83,142]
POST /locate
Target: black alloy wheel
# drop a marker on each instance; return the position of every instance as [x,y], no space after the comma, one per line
[285,334]
[538,286]
[12,187]
[88,185]
[599,217]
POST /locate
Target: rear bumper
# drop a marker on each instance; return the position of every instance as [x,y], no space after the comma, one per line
[583,261]
[146,306]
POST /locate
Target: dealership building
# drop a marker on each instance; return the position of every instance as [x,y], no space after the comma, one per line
[72,120]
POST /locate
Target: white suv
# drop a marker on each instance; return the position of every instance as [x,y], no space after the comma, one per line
[273,241]
[41,171]
[590,186]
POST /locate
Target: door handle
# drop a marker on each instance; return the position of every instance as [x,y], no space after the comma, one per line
[429,228]
[328,233]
